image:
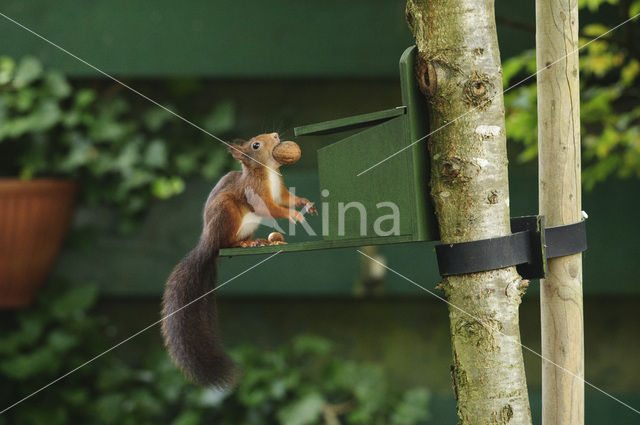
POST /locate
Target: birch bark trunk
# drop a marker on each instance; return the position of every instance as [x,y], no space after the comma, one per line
[459,72]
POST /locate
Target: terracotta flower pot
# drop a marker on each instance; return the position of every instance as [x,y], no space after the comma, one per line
[34,218]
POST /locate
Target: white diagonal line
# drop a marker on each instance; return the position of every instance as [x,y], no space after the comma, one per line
[500,332]
[191,123]
[500,94]
[136,334]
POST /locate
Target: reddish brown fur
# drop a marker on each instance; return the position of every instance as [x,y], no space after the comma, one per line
[190,333]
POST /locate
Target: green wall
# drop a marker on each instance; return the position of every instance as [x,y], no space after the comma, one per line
[226,38]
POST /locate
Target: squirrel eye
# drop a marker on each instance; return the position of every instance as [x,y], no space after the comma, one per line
[256,145]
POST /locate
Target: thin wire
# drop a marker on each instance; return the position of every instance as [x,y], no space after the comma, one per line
[134,90]
[135,334]
[497,95]
[498,331]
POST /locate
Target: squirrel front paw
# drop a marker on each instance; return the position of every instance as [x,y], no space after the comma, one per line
[308,206]
[296,216]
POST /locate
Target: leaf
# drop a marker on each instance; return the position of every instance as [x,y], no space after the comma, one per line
[595,30]
[76,300]
[57,85]
[630,71]
[25,98]
[129,156]
[61,341]
[109,408]
[514,65]
[31,328]
[156,154]
[189,417]
[303,411]
[634,9]
[84,98]
[413,408]
[593,5]
[42,360]
[80,153]
[165,188]
[29,69]
[7,67]
[311,345]
[46,115]
[214,166]
[186,162]
[221,118]
[155,118]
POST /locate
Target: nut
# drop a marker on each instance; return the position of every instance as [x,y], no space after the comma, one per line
[287,153]
[275,237]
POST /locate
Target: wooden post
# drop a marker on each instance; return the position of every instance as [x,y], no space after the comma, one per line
[560,202]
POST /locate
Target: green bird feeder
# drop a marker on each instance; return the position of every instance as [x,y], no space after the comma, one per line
[351,184]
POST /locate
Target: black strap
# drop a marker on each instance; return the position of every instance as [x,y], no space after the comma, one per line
[566,240]
[527,248]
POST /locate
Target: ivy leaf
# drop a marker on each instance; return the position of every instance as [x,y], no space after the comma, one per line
[29,69]
[594,5]
[164,188]
[189,417]
[27,365]
[84,98]
[413,408]
[156,154]
[595,30]
[304,411]
[46,115]
[630,71]
[7,67]
[213,167]
[57,85]
[75,301]
[221,118]
[155,118]
[311,345]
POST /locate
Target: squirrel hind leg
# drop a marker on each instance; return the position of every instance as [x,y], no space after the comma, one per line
[250,243]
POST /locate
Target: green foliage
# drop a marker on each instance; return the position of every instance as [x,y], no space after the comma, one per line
[610,115]
[300,383]
[121,152]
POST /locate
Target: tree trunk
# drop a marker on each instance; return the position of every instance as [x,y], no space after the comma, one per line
[460,74]
[560,199]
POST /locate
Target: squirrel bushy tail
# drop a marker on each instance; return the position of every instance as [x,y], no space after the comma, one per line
[191,333]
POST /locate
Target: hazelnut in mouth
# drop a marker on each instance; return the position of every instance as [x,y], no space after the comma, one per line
[286,153]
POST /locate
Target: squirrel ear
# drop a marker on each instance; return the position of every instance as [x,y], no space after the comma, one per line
[235,149]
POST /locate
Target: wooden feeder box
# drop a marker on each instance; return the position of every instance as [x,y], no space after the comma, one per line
[402,179]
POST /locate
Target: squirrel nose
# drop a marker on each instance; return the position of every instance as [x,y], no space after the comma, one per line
[275,136]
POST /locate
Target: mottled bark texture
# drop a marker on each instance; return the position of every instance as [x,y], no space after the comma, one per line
[460,74]
[560,202]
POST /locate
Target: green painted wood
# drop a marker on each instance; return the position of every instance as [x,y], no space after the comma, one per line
[314,245]
[400,183]
[349,123]
[338,168]
[417,127]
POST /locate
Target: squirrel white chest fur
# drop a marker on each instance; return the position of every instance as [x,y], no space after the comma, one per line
[251,221]
[275,186]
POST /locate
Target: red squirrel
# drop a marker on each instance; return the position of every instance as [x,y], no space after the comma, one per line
[231,215]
